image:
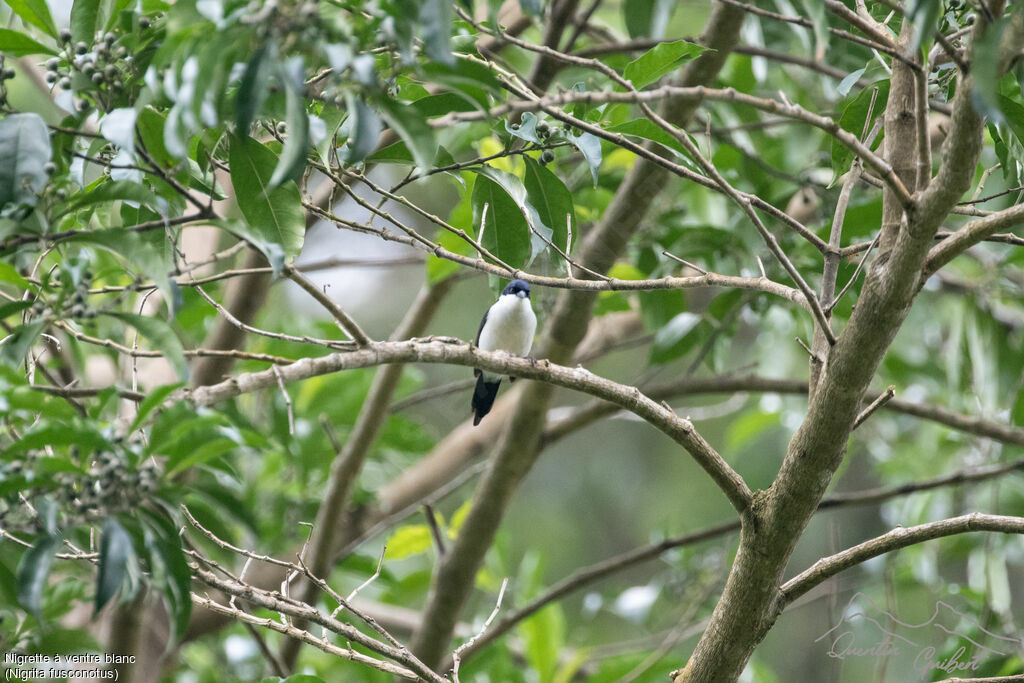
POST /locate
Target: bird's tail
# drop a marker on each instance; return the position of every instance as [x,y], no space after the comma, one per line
[483,397]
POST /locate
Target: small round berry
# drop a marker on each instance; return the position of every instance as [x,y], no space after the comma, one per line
[88,68]
[65,35]
[52,64]
[110,71]
[50,168]
[81,48]
[547,157]
[97,78]
[65,83]
[145,23]
[51,76]
[122,52]
[9,74]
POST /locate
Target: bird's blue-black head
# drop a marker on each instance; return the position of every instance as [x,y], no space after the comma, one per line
[518,288]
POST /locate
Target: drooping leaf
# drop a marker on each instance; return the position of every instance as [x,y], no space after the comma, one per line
[435,27]
[161,336]
[855,112]
[296,142]
[364,128]
[83,19]
[170,572]
[115,190]
[923,14]
[676,338]
[589,146]
[16,345]
[143,250]
[413,129]
[844,86]
[24,152]
[537,229]
[526,129]
[33,569]
[17,44]
[274,215]
[153,400]
[34,12]
[659,60]
[252,91]
[553,201]
[647,18]
[116,554]
[505,232]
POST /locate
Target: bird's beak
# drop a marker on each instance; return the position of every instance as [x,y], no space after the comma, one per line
[521,294]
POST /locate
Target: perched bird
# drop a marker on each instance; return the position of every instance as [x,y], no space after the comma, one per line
[508,325]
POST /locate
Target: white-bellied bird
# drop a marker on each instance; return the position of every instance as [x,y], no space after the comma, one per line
[508,325]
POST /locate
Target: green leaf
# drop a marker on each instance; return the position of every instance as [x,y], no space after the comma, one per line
[170,571]
[116,556]
[363,126]
[406,541]
[83,20]
[24,152]
[590,147]
[1013,113]
[110,191]
[8,273]
[923,14]
[160,335]
[56,434]
[293,157]
[413,129]
[435,27]
[155,398]
[12,307]
[647,18]
[273,215]
[252,91]
[34,12]
[648,130]
[544,637]
[33,569]
[506,232]
[676,338]
[16,345]
[209,450]
[855,112]
[17,44]
[553,202]
[816,11]
[143,250]
[526,129]
[659,60]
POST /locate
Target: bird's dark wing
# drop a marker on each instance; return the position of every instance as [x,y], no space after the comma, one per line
[482,323]
[476,371]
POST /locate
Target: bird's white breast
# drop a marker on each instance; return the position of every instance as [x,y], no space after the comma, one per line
[510,326]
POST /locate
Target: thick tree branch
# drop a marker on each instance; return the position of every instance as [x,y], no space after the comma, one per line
[970,234]
[894,540]
[456,352]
